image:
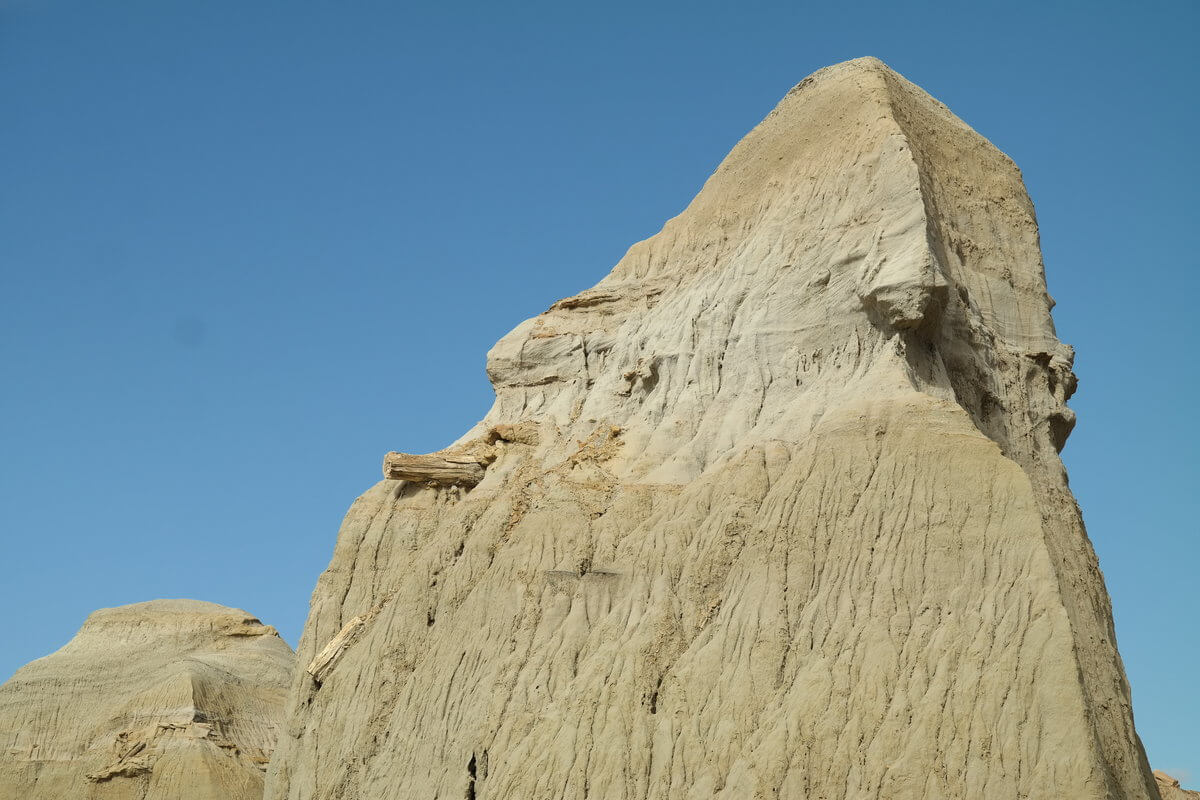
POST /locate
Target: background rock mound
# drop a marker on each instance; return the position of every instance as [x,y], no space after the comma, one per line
[165,700]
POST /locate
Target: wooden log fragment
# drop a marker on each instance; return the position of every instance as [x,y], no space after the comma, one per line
[443,470]
[320,666]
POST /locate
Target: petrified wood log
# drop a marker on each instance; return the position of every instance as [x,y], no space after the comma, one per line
[320,666]
[443,470]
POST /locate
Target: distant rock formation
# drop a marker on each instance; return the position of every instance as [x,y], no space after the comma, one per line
[1169,788]
[166,700]
[785,518]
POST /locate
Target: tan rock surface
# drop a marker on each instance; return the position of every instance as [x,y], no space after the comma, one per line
[165,700]
[1170,789]
[786,518]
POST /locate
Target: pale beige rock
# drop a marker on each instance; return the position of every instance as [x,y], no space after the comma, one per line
[793,525]
[1170,789]
[166,700]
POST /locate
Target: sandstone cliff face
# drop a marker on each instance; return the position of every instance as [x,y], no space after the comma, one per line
[166,700]
[774,510]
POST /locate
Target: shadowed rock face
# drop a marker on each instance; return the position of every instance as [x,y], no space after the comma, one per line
[166,700]
[786,518]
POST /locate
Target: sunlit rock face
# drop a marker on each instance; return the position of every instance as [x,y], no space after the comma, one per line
[775,510]
[165,700]
[1170,789]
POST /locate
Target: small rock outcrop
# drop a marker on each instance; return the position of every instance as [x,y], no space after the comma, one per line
[165,700]
[774,511]
[1170,789]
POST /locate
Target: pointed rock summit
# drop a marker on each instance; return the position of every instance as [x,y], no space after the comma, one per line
[166,700]
[775,510]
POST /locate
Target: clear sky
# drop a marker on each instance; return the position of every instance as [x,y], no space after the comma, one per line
[248,247]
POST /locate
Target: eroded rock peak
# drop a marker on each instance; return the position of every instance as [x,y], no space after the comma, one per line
[176,699]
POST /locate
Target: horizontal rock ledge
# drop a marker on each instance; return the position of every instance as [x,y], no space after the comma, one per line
[442,470]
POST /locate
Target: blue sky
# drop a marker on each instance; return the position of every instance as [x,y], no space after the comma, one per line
[226,227]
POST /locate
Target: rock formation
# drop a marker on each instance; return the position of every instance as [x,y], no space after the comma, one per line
[166,700]
[1170,789]
[773,511]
